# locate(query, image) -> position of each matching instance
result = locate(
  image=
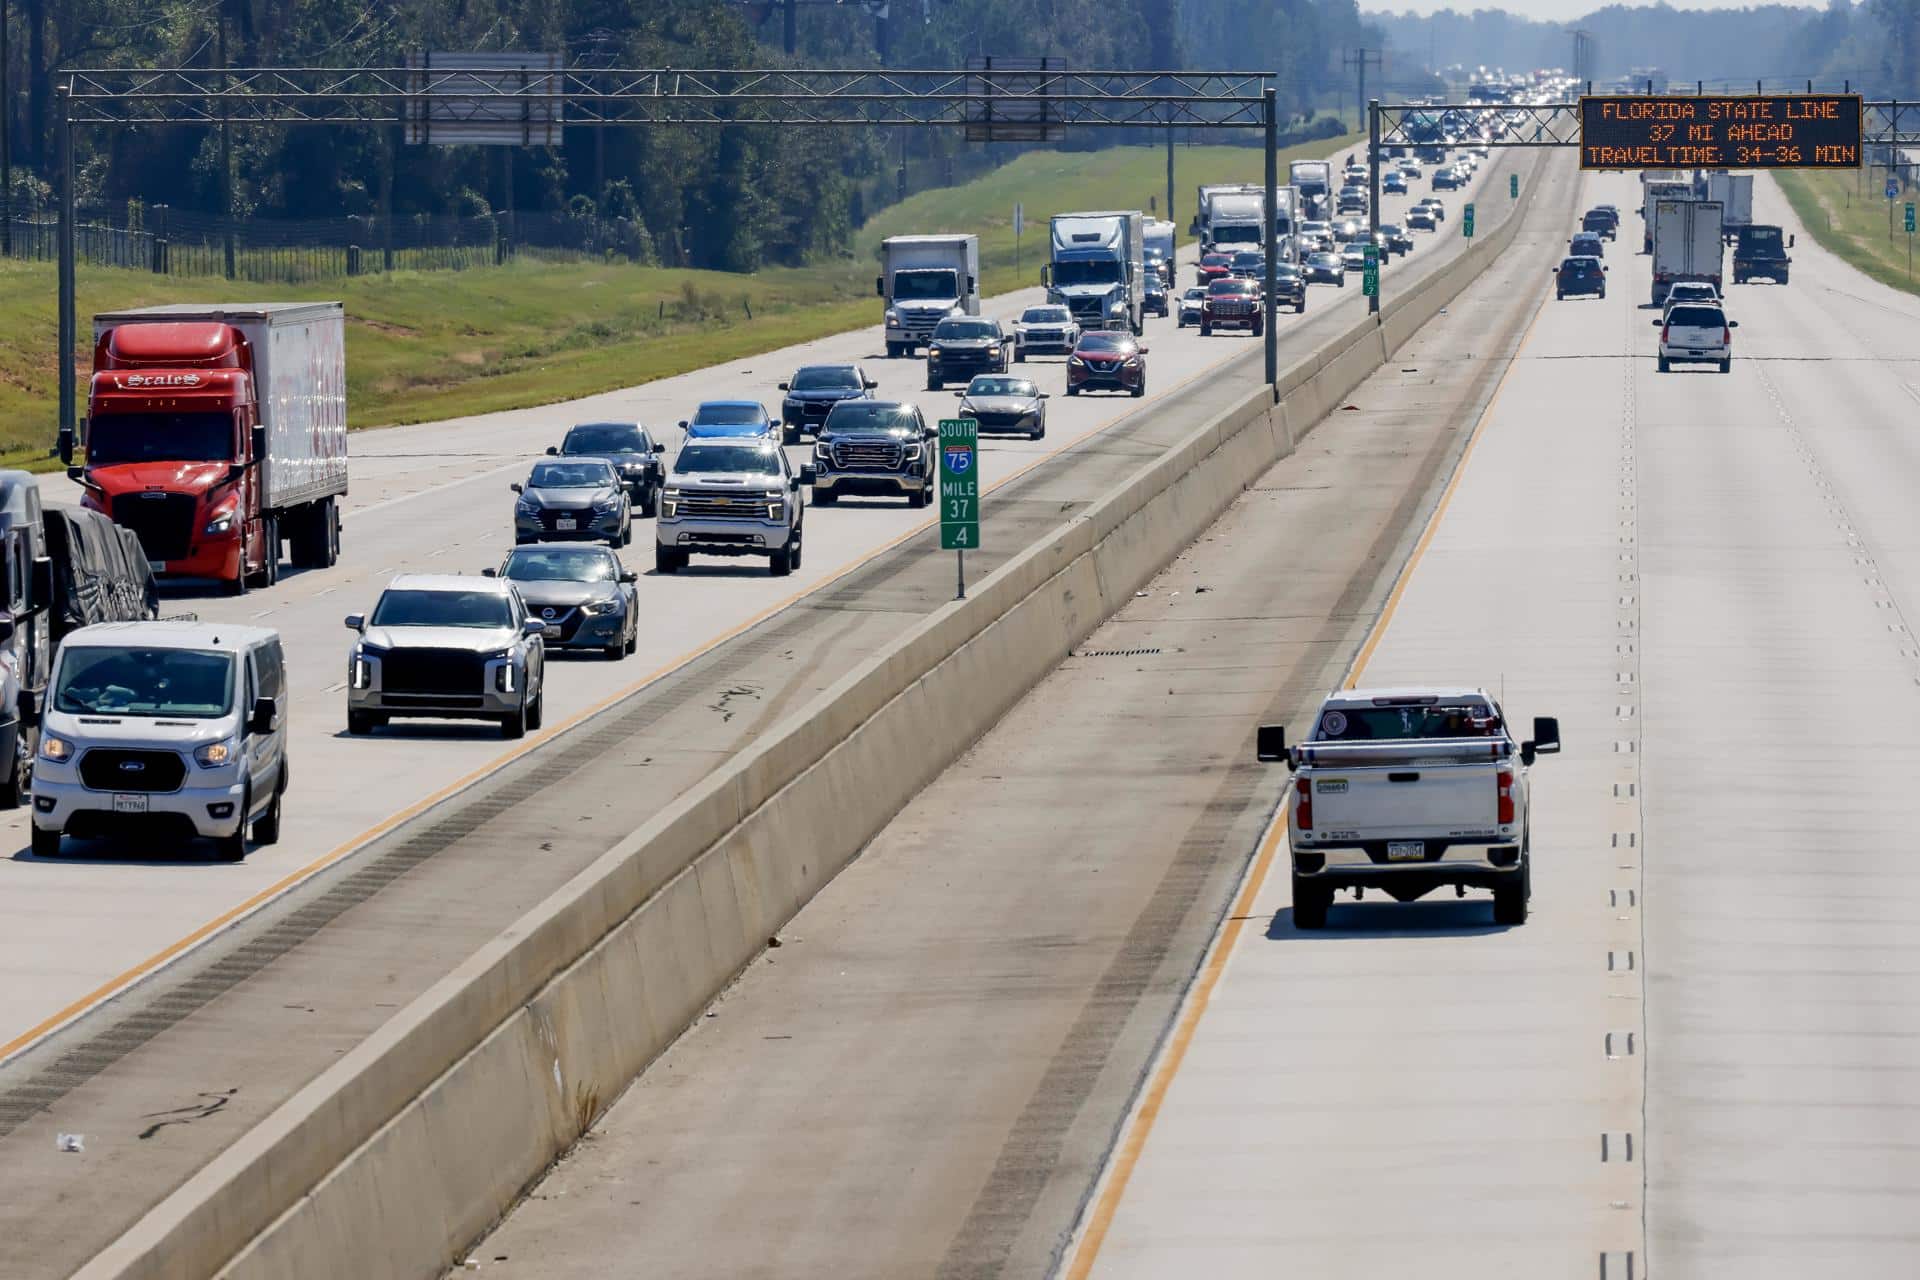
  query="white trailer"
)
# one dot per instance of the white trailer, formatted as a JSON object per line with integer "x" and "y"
{"x": 923, "y": 280}
{"x": 1237, "y": 223}
{"x": 1687, "y": 244}
{"x": 1734, "y": 191}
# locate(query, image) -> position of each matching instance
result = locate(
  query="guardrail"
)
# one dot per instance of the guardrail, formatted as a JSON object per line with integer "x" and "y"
{"x": 418, "y": 1140}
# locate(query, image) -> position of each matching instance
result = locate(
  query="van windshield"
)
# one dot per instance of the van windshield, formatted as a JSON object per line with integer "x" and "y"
{"x": 1473, "y": 719}
{"x": 925, "y": 286}
{"x": 159, "y": 437}
{"x": 189, "y": 683}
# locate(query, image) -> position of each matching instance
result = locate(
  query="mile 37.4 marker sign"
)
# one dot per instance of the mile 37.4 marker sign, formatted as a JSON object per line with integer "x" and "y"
{"x": 959, "y": 484}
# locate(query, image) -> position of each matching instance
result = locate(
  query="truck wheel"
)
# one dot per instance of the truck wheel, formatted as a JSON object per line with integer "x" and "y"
{"x": 514, "y": 725}
{"x": 537, "y": 709}
{"x": 780, "y": 563}
{"x": 1726, "y": 366}
{"x": 825, "y": 498}
{"x": 1206, "y": 331}
{"x": 46, "y": 844}
{"x": 270, "y": 558}
{"x": 1300, "y": 307}
{"x": 924, "y": 498}
{"x": 1666, "y": 366}
{"x": 668, "y": 559}
{"x": 1510, "y": 897}
{"x": 359, "y": 722}
{"x": 1310, "y": 903}
{"x": 14, "y": 790}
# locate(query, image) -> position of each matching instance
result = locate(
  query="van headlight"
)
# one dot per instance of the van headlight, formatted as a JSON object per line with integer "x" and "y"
{"x": 212, "y": 755}
{"x": 56, "y": 749}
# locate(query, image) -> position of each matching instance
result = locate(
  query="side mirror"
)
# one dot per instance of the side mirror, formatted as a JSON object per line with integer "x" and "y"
{"x": 43, "y": 592}
{"x": 879, "y": 286}
{"x": 76, "y": 474}
{"x": 66, "y": 449}
{"x": 928, "y": 433}
{"x": 517, "y": 488}
{"x": 683, "y": 424}
{"x": 29, "y": 707}
{"x": 1546, "y": 738}
{"x": 629, "y": 576}
{"x": 871, "y": 385}
{"x": 6, "y": 627}
{"x": 793, "y": 483}
{"x": 356, "y": 622}
{"x": 532, "y": 627}
{"x": 660, "y": 448}
{"x": 1658, "y": 323}
{"x": 552, "y": 452}
{"x": 1143, "y": 351}
{"x": 1046, "y": 395}
{"x": 1270, "y": 743}
{"x": 1790, "y": 240}
{"x": 959, "y": 395}
{"x": 786, "y": 386}
{"x": 809, "y": 473}
{"x": 265, "y": 717}
{"x": 489, "y": 573}
{"x": 1733, "y": 324}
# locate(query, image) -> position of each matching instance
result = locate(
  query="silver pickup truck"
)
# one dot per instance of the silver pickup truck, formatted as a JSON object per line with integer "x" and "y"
{"x": 1406, "y": 791}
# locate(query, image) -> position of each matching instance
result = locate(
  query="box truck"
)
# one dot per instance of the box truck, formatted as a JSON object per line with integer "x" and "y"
{"x": 1314, "y": 179}
{"x": 1686, "y": 244}
{"x": 217, "y": 432}
{"x": 1096, "y": 269}
{"x": 1159, "y": 247}
{"x": 1734, "y": 191}
{"x": 923, "y": 280}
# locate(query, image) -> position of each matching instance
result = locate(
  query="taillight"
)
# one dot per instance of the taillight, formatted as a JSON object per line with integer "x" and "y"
{"x": 1665, "y": 330}
{"x": 1504, "y": 780}
{"x": 1726, "y": 335}
{"x": 1303, "y": 803}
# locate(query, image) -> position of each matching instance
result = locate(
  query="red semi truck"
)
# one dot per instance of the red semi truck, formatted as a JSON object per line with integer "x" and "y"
{"x": 216, "y": 432}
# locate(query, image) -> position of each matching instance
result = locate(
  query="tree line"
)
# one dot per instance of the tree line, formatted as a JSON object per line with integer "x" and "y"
{"x": 732, "y": 198}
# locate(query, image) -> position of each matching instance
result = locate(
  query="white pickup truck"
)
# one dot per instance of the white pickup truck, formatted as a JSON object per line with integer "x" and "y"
{"x": 1407, "y": 790}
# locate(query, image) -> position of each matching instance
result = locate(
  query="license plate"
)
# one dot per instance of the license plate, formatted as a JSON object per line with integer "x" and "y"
{"x": 1695, "y": 351}
{"x": 123, "y": 803}
{"x": 565, "y": 525}
{"x": 1406, "y": 850}
{"x": 158, "y": 566}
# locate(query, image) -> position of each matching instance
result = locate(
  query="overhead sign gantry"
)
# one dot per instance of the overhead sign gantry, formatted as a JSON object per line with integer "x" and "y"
{"x": 1687, "y": 131}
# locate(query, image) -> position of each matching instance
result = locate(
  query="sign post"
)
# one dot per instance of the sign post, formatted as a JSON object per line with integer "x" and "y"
{"x": 1909, "y": 242}
{"x": 1370, "y": 274}
{"x": 1019, "y": 225}
{"x": 959, "y": 493}
{"x": 1513, "y": 186}
{"x": 1466, "y": 222}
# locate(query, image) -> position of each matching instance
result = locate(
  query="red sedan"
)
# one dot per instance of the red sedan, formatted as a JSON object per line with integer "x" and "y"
{"x": 1215, "y": 266}
{"x": 1107, "y": 359}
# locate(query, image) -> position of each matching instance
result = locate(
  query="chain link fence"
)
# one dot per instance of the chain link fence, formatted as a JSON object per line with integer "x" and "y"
{"x": 164, "y": 241}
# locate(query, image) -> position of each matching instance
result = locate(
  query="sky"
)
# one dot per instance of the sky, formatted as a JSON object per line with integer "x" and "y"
{"x": 1539, "y": 10}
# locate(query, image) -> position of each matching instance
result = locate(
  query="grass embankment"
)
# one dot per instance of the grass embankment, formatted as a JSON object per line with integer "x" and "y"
{"x": 435, "y": 344}
{"x": 1849, "y": 219}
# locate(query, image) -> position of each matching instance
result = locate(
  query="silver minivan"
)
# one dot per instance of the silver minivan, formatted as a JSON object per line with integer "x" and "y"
{"x": 163, "y": 731}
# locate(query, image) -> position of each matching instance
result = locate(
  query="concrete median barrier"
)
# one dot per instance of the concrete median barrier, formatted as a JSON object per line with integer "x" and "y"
{"x": 420, "y": 1138}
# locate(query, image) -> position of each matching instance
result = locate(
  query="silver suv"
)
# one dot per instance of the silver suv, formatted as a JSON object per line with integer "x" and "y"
{"x": 731, "y": 497}
{"x": 448, "y": 648}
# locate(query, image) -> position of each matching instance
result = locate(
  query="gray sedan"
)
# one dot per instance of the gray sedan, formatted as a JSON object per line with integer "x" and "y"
{"x": 583, "y": 594}
{"x": 1005, "y": 404}
{"x": 573, "y": 499}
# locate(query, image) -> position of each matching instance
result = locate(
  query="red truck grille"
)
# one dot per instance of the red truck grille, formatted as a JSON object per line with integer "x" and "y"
{"x": 162, "y": 521}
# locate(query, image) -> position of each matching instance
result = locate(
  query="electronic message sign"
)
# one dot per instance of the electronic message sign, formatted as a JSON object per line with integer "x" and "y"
{"x": 1787, "y": 131}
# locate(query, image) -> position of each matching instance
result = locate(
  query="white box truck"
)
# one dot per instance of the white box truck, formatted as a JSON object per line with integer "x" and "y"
{"x": 1159, "y": 233}
{"x": 1687, "y": 244}
{"x": 1096, "y": 269}
{"x": 1657, "y": 185}
{"x": 1314, "y": 179}
{"x": 1734, "y": 191}
{"x": 923, "y": 280}
{"x": 1237, "y": 223}
{"x": 217, "y": 432}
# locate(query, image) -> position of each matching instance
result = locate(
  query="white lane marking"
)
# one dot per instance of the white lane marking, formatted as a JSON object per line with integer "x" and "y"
{"x": 336, "y": 688}
{"x": 1911, "y": 390}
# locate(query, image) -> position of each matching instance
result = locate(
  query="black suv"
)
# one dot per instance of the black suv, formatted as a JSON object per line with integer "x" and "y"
{"x": 1580, "y": 275}
{"x": 634, "y": 453}
{"x": 814, "y": 390}
{"x": 962, "y": 346}
{"x": 1602, "y": 222}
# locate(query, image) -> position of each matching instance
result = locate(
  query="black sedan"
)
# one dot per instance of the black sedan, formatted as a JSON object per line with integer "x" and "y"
{"x": 1396, "y": 237}
{"x": 1005, "y": 404}
{"x": 583, "y": 594}
{"x": 636, "y": 457}
{"x": 1324, "y": 268}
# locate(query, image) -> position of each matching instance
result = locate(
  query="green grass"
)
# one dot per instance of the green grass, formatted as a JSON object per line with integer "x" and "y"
{"x": 1848, "y": 216}
{"x": 436, "y": 344}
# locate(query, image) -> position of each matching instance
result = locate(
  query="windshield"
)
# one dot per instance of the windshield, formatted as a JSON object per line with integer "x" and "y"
{"x": 868, "y": 415}
{"x": 728, "y": 415}
{"x": 1106, "y": 342}
{"x": 1247, "y": 259}
{"x": 727, "y": 457}
{"x": 925, "y": 286}
{"x": 963, "y": 329}
{"x": 610, "y": 439}
{"x": 561, "y": 564}
{"x": 1001, "y": 387}
{"x": 1234, "y": 288}
{"x": 1471, "y": 719}
{"x": 1096, "y": 271}
{"x": 1045, "y": 315}
{"x": 1216, "y": 259}
{"x": 159, "y": 437}
{"x": 1696, "y": 317}
{"x": 409, "y": 607}
{"x": 825, "y": 377}
{"x": 1325, "y": 260}
{"x": 145, "y": 682}
{"x": 570, "y": 475}
{"x": 1236, "y": 235}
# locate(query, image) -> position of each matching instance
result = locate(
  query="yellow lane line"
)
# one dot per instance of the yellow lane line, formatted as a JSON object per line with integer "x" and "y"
{"x": 120, "y": 982}
{"x": 1126, "y": 1155}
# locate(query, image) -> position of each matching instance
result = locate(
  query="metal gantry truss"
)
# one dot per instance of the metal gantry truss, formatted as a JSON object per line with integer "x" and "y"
{"x": 664, "y": 95}
{"x": 1015, "y": 103}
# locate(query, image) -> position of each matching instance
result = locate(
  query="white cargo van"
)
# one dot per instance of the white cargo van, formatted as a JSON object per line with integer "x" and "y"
{"x": 164, "y": 732}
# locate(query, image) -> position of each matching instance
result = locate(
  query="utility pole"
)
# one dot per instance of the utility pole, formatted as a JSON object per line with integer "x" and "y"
{"x": 1360, "y": 60}
{"x": 6, "y": 139}
{"x": 1176, "y": 232}
{"x": 1582, "y": 54}
{"x": 791, "y": 36}
{"x": 226, "y": 156}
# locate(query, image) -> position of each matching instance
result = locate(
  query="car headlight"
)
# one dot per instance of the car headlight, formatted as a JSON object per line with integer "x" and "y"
{"x": 609, "y": 503}
{"x": 52, "y": 748}
{"x": 527, "y": 507}
{"x": 933, "y": 353}
{"x": 1076, "y": 362}
{"x": 212, "y": 755}
{"x": 222, "y": 523}
{"x": 1133, "y": 363}
{"x": 913, "y": 452}
{"x": 893, "y": 317}
{"x": 600, "y": 608}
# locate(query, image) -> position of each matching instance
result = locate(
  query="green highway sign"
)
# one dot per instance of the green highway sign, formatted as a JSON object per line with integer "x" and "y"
{"x": 1513, "y": 186}
{"x": 1909, "y": 217}
{"x": 1370, "y": 275}
{"x": 959, "y": 484}
{"x": 1466, "y": 222}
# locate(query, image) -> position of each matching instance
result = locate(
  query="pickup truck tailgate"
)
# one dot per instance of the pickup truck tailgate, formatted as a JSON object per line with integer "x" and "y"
{"x": 1413, "y": 799}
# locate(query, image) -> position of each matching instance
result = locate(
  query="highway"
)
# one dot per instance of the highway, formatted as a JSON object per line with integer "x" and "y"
{"x": 1695, "y": 1060}
{"x": 316, "y": 940}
